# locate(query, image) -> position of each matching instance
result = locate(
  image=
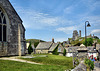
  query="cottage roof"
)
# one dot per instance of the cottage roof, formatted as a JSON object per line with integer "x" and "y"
{"x": 90, "y": 48}
{"x": 54, "y": 45}
{"x": 44, "y": 45}
{"x": 71, "y": 49}
{"x": 82, "y": 49}
{"x": 60, "y": 48}
{"x": 82, "y": 45}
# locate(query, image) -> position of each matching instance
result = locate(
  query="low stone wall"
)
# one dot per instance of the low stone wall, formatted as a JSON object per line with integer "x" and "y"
{"x": 80, "y": 67}
{"x": 41, "y": 51}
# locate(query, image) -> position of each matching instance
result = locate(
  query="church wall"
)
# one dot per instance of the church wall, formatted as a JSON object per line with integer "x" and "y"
{"x": 12, "y": 30}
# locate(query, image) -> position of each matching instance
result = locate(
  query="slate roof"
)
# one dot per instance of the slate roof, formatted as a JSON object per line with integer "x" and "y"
{"x": 82, "y": 49}
{"x": 54, "y": 45}
{"x": 91, "y": 49}
{"x": 44, "y": 46}
{"x": 71, "y": 49}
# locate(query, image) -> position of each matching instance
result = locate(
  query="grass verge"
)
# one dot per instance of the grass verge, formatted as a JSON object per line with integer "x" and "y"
{"x": 6, "y": 65}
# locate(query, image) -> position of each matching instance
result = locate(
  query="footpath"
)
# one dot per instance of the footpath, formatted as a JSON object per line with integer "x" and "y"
{"x": 19, "y": 60}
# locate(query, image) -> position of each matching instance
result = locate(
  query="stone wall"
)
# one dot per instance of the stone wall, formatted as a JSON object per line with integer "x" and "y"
{"x": 3, "y": 48}
{"x": 12, "y": 29}
{"x": 41, "y": 51}
{"x": 97, "y": 46}
{"x": 80, "y": 67}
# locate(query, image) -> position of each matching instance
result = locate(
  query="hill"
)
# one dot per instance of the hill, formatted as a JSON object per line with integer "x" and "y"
{"x": 34, "y": 41}
{"x": 81, "y": 40}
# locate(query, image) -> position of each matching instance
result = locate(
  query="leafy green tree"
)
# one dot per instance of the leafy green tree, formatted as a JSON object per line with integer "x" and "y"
{"x": 64, "y": 52}
{"x": 89, "y": 42}
{"x": 89, "y": 63}
{"x": 30, "y": 49}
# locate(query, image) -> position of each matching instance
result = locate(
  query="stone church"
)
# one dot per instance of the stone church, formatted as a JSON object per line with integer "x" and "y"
{"x": 12, "y": 31}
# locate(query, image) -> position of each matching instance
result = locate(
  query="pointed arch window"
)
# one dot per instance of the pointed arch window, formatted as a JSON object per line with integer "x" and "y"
{"x": 3, "y": 26}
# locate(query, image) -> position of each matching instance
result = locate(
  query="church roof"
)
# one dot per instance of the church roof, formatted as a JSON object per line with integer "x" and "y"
{"x": 44, "y": 45}
{"x": 54, "y": 45}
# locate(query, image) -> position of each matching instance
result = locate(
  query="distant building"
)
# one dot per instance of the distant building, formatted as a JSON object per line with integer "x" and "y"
{"x": 60, "y": 50}
{"x": 71, "y": 50}
{"x": 90, "y": 36}
{"x": 43, "y": 47}
{"x": 76, "y": 35}
{"x": 49, "y": 47}
{"x": 54, "y": 45}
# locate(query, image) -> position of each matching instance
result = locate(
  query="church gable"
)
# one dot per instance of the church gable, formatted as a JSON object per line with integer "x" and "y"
{"x": 12, "y": 40}
{"x": 12, "y": 14}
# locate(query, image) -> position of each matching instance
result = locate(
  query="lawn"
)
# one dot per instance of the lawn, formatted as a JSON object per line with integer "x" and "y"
{"x": 52, "y": 60}
{"x": 6, "y": 65}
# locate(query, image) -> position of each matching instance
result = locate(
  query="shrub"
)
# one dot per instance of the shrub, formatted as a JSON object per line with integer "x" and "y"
{"x": 89, "y": 63}
{"x": 89, "y": 42}
{"x": 30, "y": 49}
{"x": 64, "y": 52}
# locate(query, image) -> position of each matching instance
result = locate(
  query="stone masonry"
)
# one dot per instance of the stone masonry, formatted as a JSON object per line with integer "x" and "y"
{"x": 14, "y": 24}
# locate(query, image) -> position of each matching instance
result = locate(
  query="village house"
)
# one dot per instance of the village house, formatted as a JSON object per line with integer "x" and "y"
{"x": 49, "y": 47}
{"x": 54, "y": 45}
{"x": 43, "y": 47}
{"x": 60, "y": 49}
{"x": 81, "y": 51}
{"x": 71, "y": 50}
{"x": 12, "y": 31}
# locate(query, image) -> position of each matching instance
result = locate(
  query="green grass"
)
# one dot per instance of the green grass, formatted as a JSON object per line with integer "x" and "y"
{"x": 6, "y": 65}
{"x": 52, "y": 60}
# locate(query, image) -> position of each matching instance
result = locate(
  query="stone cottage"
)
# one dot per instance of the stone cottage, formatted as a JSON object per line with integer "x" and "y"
{"x": 54, "y": 45}
{"x": 43, "y": 47}
{"x": 71, "y": 50}
{"x": 12, "y": 31}
{"x": 60, "y": 49}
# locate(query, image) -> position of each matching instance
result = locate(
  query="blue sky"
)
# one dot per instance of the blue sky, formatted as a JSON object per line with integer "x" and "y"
{"x": 47, "y": 19}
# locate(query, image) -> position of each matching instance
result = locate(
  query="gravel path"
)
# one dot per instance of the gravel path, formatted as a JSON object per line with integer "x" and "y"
{"x": 19, "y": 60}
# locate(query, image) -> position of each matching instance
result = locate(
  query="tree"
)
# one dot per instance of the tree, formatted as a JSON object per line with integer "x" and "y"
{"x": 64, "y": 52}
{"x": 30, "y": 49}
{"x": 89, "y": 63}
{"x": 89, "y": 42}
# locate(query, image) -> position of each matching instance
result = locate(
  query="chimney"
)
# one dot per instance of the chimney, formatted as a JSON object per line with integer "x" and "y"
{"x": 53, "y": 40}
{"x": 93, "y": 35}
{"x": 90, "y": 35}
{"x": 79, "y": 33}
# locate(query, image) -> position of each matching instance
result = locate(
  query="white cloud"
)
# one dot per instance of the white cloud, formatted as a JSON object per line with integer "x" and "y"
{"x": 68, "y": 10}
{"x": 67, "y": 30}
{"x": 96, "y": 31}
{"x": 38, "y": 20}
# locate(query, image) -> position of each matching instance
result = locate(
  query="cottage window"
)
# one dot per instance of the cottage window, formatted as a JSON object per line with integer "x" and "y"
{"x": 3, "y": 26}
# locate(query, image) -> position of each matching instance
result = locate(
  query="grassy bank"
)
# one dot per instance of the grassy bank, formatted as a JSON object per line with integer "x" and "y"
{"x": 6, "y": 65}
{"x": 52, "y": 60}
